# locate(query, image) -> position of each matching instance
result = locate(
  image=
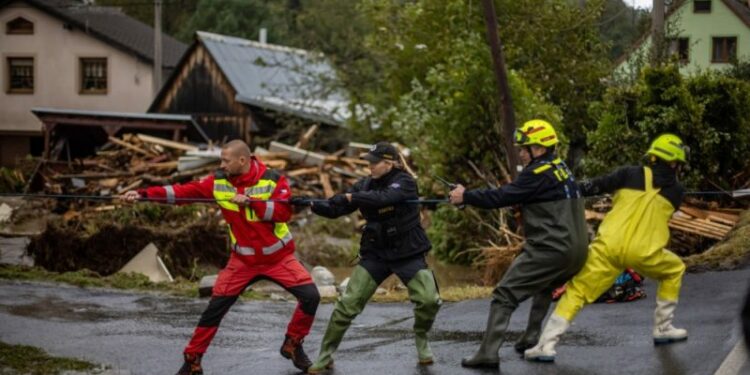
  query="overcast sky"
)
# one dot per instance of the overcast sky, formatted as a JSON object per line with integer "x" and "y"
{"x": 640, "y": 3}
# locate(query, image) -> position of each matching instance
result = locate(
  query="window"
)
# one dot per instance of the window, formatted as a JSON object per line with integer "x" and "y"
{"x": 94, "y": 76}
{"x": 702, "y": 6}
{"x": 20, "y": 75}
{"x": 19, "y": 25}
{"x": 680, "y": 47}
{"x": 724, "y": 49}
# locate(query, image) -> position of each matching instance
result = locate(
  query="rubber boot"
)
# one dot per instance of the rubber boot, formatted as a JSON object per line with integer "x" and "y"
{"x": 423, "y": 292}
{"x": 494, "y": 335}
{"x": 292, "y": 349}
{"x": 359, "y": 290}
{"x": 538, "y": 312}
{"x": 544, "y": 351}
{"x": 192, "y": 365}
{"x": 664, "y": 332}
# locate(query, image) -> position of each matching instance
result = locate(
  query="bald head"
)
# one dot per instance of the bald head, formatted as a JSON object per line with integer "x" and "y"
{"x": 238, "y": 148}
{"x": 236, "y": 158}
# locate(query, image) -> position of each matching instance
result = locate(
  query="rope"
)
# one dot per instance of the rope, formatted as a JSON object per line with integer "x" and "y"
{"x": 191, "y": 200}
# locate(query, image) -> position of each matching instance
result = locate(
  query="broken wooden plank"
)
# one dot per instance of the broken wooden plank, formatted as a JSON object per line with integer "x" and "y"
{"x": 356, "y": 148}
{"x": 356, "y": 161}
{"x": 305, "y": 138}
{"x": 129, "y": 146}
{"x": 133, "y": 185}
{"x": 167, "y": 143}
{"x": 345, "y": 172}
{"x": 298, "y": 155}
{"x": 272, "y": 155}
{"x": 303, "y": 171}
{"x": 276, "y": 164}
{"x": 93, "y": 175}
{"x": 325, "y": 180}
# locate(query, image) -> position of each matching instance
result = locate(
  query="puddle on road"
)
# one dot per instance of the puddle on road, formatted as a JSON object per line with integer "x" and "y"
{"x": 57, "y": 309}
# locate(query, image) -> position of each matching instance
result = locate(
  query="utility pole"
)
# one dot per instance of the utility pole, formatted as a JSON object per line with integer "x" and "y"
{"x": 157, "y": 46}
{"x": 506, "y": 102}
{"x": 657, "y": 32}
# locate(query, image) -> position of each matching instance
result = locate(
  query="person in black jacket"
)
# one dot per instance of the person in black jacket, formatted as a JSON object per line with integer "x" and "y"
{"x": 556, "y": 237}
{"x": 393, "y": 241}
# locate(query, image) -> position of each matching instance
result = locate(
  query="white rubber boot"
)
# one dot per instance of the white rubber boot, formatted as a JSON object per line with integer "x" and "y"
{"x": 664, "y": 332}
{"x": 544, "y": 351}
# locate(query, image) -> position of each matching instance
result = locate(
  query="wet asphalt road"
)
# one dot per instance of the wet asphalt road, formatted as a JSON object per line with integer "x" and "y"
{"x": 145, "y": 334}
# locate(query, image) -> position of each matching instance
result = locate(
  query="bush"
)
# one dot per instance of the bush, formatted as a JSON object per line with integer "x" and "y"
{"x": 709, "y": 111}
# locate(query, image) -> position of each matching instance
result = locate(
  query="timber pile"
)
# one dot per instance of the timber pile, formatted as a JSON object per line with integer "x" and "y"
{"x": 137, "y": 160}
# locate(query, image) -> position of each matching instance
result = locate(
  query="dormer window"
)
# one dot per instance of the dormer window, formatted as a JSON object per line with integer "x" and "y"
{"x": 19, "y": 25}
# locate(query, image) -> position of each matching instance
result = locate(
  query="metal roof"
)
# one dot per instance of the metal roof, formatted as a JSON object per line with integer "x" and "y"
{"x": 278, "y": 78}
{"x": 40, "y": 111}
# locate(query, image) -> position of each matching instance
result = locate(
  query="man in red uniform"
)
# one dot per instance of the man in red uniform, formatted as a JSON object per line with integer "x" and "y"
{"x": 254, "y": 203}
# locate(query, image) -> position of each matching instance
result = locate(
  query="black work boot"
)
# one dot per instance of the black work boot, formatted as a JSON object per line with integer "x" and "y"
{"x": 192, "y": 365}
{"x": 292, "y": 349}
{"x": 497, "y": 323}
{"x": 539, "y": 306}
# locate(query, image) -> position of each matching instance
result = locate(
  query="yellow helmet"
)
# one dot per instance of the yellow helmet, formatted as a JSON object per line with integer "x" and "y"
{"x": 668, "y": 147}
{"x": 536, "y": 132}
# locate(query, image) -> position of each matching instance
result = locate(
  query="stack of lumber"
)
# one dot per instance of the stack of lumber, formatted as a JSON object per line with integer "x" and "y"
{"x": 706, "y": 223}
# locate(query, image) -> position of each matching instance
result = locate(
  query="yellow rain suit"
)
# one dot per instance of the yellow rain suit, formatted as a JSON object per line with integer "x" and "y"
{"x": 632, "y": 235}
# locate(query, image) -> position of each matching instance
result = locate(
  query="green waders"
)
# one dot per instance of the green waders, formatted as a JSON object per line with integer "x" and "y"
{"x": 424, "y": 294}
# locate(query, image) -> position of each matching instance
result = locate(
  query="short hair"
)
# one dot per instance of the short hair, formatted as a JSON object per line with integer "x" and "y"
{"x": 238, "y": 147}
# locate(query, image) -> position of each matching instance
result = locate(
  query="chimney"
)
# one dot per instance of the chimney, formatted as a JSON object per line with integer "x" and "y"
{"x": 263, "y": 34}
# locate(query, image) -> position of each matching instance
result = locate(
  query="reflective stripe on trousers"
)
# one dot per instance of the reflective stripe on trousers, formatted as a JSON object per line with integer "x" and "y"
{"x": 267, "y": 250}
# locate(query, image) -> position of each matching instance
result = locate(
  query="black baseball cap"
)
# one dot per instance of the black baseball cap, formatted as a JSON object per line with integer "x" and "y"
{"x": 381, "y": 151}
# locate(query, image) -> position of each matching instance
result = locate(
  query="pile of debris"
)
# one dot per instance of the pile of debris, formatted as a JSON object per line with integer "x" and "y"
{"x": 138, "y": 160}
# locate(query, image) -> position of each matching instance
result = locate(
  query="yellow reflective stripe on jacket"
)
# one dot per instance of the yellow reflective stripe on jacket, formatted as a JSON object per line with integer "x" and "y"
{"x": 223, "y": 191}
{"x": 541, "y": 169}
{"x": 261, "y": 191}
{"x": 560, "y": 173}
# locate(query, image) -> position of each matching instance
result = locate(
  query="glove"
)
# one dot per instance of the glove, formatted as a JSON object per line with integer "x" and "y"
{"x": 339, "y": 200}
{"x": 300, "y": 201}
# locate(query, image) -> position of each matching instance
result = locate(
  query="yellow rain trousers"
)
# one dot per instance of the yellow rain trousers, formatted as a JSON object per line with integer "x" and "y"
{"x": 632, "y": 235}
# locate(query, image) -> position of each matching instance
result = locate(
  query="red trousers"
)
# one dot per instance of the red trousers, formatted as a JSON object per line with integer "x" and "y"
{"x": 236, "y": 276}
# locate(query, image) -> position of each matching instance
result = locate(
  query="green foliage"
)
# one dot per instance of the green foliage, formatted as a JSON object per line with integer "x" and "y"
{"x": 175, "y": 13}
{"x": 22, "y": 359}
{"x": 11, "y": 181}
{"x": 243, "y": 19}
{"x": 710, "y": 111}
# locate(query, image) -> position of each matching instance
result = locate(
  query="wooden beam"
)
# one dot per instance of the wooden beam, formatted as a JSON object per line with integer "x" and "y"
{"x": 129, "y": 146}
{"x": 305, "y": 139}
{"x": 325, "y": 180}
{"x": 167, "y": 143}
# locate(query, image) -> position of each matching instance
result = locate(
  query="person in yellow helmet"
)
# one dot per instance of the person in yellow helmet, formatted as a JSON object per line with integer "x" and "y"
{"x": 632, "y": 235}
{"x": 556, "y": 238}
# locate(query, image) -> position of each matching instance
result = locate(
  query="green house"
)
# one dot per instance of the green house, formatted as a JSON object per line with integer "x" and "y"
{"x": 701, "y": 34}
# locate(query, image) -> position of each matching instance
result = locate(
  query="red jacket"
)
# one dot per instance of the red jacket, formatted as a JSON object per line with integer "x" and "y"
{"x": 259, "y": 232}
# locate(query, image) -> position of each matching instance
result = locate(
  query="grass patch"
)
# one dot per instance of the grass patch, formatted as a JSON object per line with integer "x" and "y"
{"x": 126, "y": 281}
{"x": 730, "y": 254}
{"x": 86, "y": 278}
{"x": 24, "y": 359}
